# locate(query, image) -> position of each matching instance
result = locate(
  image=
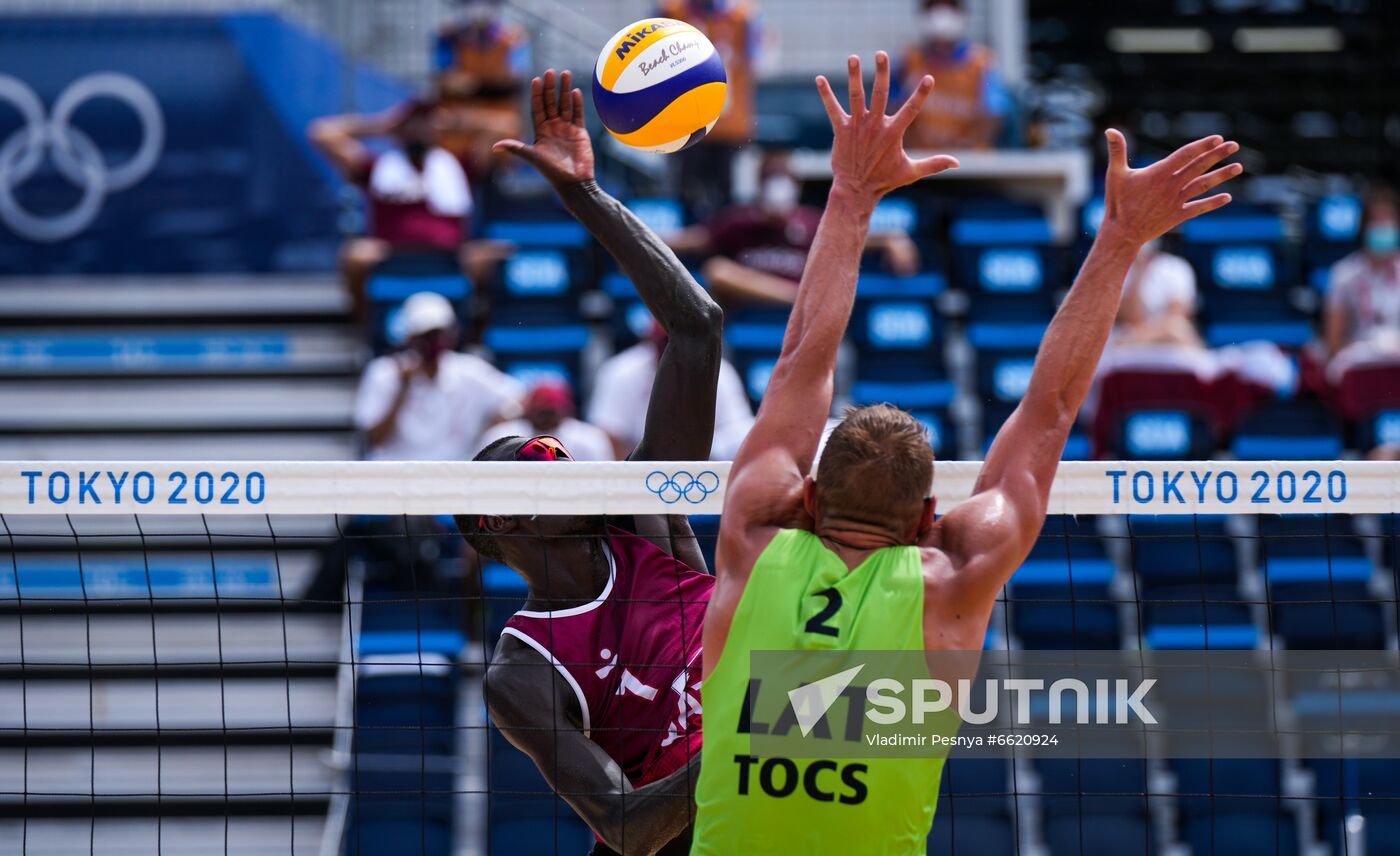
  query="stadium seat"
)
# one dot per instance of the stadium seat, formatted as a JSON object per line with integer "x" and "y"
{"x": 1368, "y": 390}
{"x": 1003, "y": 371}
{"x": 1318, "y": 574}
{"x": 1095, "y": 805}
{"x": 1240, "y": 261}
{"x": 1234, "y": 806}
{"x": 1289, "y": 431}
{"x": 394, "y": 823}
{"x": 523, "y": 814}
{"x": 899, "y": 343}
{"x": 1333, "y": 230}
{"x": 755, "y": 338}
{"x": 1060, "y": 595}
{"x": 534, "y": 353}
{"x": 974, "y": 815}
{"x": 404, "y": 274}
{"x": 1154, "y": 415}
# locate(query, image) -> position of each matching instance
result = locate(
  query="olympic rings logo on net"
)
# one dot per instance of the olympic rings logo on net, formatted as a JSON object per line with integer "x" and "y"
{"x": 73, "y": 152}
{"x": 694, "y": 489}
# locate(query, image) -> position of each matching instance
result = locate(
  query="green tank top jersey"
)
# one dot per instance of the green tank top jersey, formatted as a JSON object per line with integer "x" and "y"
{"x": 787, "y": 605}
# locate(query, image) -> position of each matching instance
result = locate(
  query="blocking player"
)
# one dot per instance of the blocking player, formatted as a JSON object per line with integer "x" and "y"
{"x": 597, "y": 678}
{"x": 852, "y": 558}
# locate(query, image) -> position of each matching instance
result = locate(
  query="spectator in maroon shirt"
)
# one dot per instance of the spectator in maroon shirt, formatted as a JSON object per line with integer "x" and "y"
{"x": 757, "y": 251}
{"x": 418, "y": 196}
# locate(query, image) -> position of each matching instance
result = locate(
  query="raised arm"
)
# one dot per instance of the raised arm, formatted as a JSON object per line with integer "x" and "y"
{"x": 340, "y": 138}
{"x": 681, "y": 416}
{"x": 867, "y": 161}
{"x": 529, "y": 704}
{"x": 990, "y": 534}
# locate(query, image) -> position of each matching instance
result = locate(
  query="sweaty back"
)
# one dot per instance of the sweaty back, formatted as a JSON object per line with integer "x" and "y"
{"x": 801, "y": 597}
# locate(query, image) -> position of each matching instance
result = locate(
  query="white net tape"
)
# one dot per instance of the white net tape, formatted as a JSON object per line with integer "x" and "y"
{"x": 650, "y": 487}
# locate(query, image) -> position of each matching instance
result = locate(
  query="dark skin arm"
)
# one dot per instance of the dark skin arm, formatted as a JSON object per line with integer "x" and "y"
{"x": 680, "y": 420}
{"x": 536, "y": 713}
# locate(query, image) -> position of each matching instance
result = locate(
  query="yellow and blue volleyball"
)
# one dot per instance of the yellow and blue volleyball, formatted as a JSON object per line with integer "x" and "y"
{"x": 659, "y": 85}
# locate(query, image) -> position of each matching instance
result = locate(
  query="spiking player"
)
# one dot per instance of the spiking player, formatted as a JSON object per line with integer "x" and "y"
{"x": 852, "y": 559}
{"x": 597, "y": 679}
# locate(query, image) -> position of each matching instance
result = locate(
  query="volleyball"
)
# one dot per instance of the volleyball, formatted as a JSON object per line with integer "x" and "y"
{"x": 659, "y": 85}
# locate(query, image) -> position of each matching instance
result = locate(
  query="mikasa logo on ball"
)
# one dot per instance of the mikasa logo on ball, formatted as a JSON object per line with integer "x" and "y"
{"x": 624, "y": 47}
{"x": 665, "y": 55}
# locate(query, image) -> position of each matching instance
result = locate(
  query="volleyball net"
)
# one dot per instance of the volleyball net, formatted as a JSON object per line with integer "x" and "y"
{"x": 276, "y": 657}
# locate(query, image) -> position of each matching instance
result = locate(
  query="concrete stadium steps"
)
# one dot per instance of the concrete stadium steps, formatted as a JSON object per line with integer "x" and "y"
{"x": 174, "y": 298}
{"x": 221, "y": 349}
{"x": 182, "y": 405}
{"x": 39, "y": 775}
{"x": 311, "y": 446}
{"x": 42, "y": 708}
{"x": 80, "y": 641}
{"x": 297, "y": 835}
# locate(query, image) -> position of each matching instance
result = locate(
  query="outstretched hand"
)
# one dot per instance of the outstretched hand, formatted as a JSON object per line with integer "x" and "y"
{"x": 1142, "y": 204}
{"x": 562, "y": 151}
{"x": 867, "y": 154}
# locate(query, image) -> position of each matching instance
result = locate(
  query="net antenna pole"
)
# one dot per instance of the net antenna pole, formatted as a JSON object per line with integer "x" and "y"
{"x": 344, "y": 761}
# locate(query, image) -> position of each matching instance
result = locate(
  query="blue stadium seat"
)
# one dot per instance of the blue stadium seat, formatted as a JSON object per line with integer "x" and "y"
{"x": 899, "y": 343}
{"x": 535, "y": 353}
{"x": 1060, "y": 594}
{"x": 540, "y": 285}
{"x": 1367, "y": 786}
{"x": 1165, "y": 434}
{"x": 1095, "y": 805}
{"x": 503, "y": 592}
{"x": 568, "y": 234}
{"x": 631, "y": 321}
{"x": 524, "y": 815}
{"x": 1171, "y": 549}
{"x": 1333, "y": 230}
{"x": 1004, "y": 366}
{"x": 1004, "y": 255}
{"x": 753, "y": 348}
{"x": 661, "y": 214}
{"x": 1289, "y": 431}
{"x": 394, "y": 823}
{"x": 405, "y": 274}
{"x": 1241, "y": 264}
{"x": 1234, "y": 806}
{"x": 974, "y": 812}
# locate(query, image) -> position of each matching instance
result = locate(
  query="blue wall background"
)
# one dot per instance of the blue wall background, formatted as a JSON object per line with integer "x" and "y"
{"x": 236, "y": 186}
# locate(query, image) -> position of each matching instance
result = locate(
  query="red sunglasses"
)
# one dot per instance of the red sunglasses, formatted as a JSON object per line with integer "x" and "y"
{"x": 542, "y": 448}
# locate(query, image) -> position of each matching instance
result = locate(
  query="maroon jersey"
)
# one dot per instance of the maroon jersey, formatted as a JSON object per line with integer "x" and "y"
{"x": 774, "y": 245}
{"x": 632, "y": 657}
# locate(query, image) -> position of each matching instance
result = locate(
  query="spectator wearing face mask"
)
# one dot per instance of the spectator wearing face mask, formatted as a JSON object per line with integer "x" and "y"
{"x": 757, "y": 252}
{"x": 969, "y": 104}
{"x": 735, "y": 28}
{"x": 428, "y": 402}
{"x": 417, "y": 194}
{"x": 1361, "y": 319}
{"x": 549, "y": 410}
{"x": 622, "y": 391}
{"x": 483, "y": 63}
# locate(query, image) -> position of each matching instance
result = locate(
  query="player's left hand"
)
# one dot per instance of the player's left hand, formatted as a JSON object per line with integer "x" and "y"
{"x": 867, "y": 152}
{"x": 562, "y": 151}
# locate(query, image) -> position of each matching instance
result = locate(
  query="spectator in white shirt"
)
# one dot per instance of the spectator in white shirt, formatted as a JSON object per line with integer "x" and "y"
{"x": 1361, "y": 319}
{"x": 1159, "y": 302}
{"x": 428, "y": 402}
{"x": 622, "y": 389}
{"x": 549, "y": 410}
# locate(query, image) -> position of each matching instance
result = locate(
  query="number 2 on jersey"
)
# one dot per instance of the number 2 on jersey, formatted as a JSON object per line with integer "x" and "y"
{"x": 817, "y": 623}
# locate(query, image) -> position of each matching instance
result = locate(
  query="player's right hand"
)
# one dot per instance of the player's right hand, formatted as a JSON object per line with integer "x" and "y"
{"x": 1142, "y": 204}
{"x": 562, "y": 151}
{"x": 867, "y": 152}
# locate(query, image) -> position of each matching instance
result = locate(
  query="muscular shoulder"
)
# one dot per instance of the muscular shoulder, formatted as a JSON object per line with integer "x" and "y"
{"x": 516, "y": 680}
